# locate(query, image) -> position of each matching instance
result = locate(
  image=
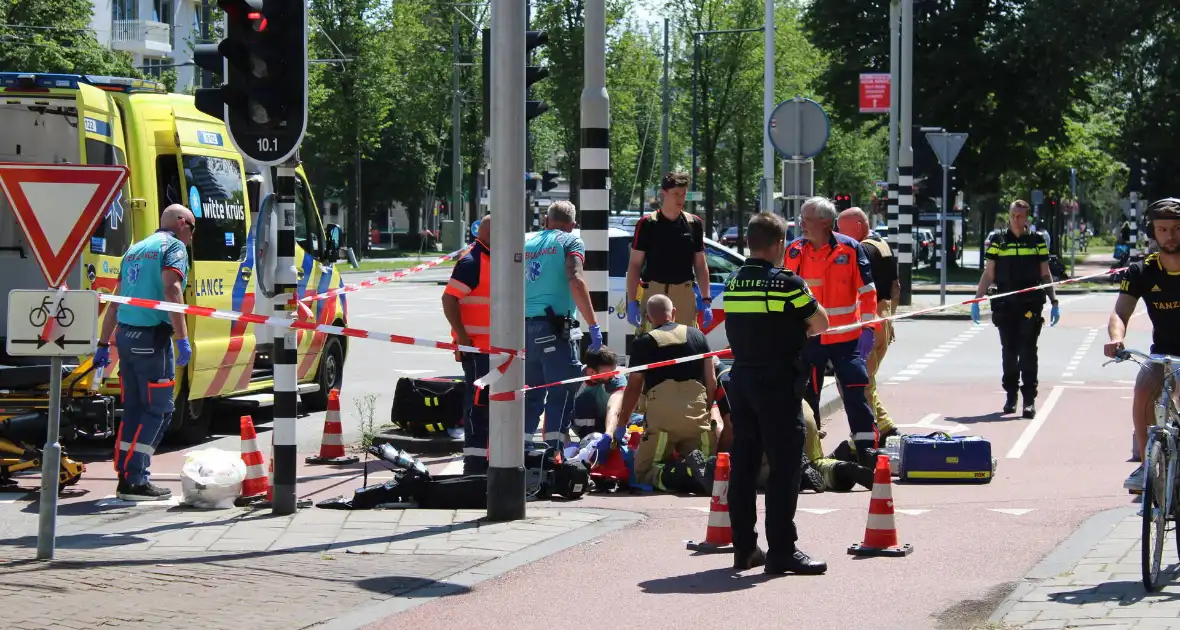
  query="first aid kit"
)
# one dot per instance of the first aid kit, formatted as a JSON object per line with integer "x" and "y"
{"x": 942, "y": 457}
{"x": 427, "y": 407}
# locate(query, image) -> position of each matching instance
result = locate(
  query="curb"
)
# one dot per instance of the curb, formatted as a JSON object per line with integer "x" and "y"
{"x": 462, "y": 582}
{"x": 1064, "y": 556}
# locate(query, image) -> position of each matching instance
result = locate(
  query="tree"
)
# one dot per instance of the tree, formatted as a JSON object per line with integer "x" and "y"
{"x": 54, "y": 36}
{"x": 633, "y": 81}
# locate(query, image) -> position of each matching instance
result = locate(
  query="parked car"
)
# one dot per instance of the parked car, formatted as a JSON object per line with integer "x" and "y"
{"x": 730, "y": 238}
{"x": 924, "y": 242}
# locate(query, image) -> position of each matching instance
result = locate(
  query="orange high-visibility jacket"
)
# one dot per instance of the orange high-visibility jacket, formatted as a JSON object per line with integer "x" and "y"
{"x": 471, "y": 282}
{"x": 839, "y": 277}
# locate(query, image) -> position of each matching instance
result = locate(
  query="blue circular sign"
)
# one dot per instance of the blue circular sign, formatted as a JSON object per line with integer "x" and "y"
{"x": 194, "y": 201}
{"x": 475, "y": 228}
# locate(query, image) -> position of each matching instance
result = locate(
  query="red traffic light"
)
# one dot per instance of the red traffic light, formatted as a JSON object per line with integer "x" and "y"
{"x": 259, "y": 19}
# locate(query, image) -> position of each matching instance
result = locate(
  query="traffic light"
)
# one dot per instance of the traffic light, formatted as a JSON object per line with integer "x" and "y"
{"x": 533, "y": 74}
{"x": 1143, "y": 175}
{"x": 843, "y": 202}
{"x": 263, "y": 62}
{"x": 548, "y": 181}
{"x": 531, "y": 182}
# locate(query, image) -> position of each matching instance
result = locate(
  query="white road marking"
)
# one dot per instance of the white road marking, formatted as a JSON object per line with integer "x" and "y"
{"x": 915, "y": 368}
{"x": 927, "y": 423}
{"x": 819, "y": 511}
{"x": 910, "y": 512}
{"x": 11, "y": 497}
{"x": 113, "y": 501}
{"x": 453, "y": 468}
{"x": 1082, "y": 350}
{"x": 1030, "y": 431}
{"x": 1012, "y": 511}
{"x": 411, "y": 372}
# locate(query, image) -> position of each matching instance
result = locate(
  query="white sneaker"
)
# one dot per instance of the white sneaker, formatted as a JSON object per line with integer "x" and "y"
{"x": 1134, "y": 483}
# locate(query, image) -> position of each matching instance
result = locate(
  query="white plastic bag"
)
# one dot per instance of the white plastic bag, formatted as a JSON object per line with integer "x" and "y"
{"x": 212, "y": 478}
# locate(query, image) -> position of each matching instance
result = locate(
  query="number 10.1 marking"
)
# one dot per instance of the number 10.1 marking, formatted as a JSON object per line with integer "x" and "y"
{"x": 268, "y": 144}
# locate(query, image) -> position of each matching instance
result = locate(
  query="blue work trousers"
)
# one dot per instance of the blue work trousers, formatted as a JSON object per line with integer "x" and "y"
{"x": 475, "y": 415}
{"x": 148, "y": 379}
{"x": 549, "y": 359}
{"x": 852, "y": 377}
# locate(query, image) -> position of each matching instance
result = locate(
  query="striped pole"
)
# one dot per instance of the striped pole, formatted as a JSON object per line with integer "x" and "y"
{"x": 894, "y": 106}
{"x": 594, "y": 159}
{"x": 286, "y": 344}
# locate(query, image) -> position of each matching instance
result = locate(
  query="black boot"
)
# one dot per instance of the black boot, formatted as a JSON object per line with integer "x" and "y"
{"x": 1010, "y": 403}
{"x": 797, "y": 562}
{"x": 1030, "y": 408}
{"x": 746, "y": 560}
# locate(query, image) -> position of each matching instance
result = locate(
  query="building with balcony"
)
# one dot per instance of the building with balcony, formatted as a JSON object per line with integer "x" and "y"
{"x": 159, "y": 34}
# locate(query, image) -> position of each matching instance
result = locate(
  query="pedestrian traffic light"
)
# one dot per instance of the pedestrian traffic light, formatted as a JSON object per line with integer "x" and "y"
{"x": 548, "y": 181}
{"x": 263, "y": 64}
{"x": 1143, "y": 175}
{"x": 533, "y": 74}
{"x": 843, "y": 202}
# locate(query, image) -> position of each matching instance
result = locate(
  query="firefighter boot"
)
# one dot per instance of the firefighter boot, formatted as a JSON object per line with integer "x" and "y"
{"x": 687, "y": 475}
{"x": 848, "y": 474}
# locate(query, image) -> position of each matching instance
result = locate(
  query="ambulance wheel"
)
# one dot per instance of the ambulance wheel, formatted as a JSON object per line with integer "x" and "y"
{"x": 329, "y": 376}
{"x": 190, "y": 421}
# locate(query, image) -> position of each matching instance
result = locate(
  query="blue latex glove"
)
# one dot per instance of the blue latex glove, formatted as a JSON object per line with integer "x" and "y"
{"x": 1054, "y": 315}
{"x": 602, "y": 446}
{"x": 706, "y": 314}
{"x": 184, "y": 352}
{"x": 620, "y": 433}
{"x": 102, "y": 357}
{"x": 975, "y": 312}
{"x": 595, "y": 338}
{"x": 865, "y": 345}
{"x": 633, "y": 312}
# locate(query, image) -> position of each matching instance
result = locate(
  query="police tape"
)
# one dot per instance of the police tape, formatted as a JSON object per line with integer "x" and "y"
{"x": 283, "y": 322}
{"x": 520, "y": 393}
{"x": 380, "y": 280}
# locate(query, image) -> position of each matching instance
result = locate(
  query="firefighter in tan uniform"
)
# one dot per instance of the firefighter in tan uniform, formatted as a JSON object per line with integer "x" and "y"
{"x": 678, "y": 438}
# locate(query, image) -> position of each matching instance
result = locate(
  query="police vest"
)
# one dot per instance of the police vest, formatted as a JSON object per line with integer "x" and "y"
{"x": 834, "y": 279}
{"x": 1018, "y": 265}
{"x": 756, "y": 298}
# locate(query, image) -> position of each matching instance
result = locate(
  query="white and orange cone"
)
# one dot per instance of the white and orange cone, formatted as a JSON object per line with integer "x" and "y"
{"x": 881, "y": 531}
{"x": 255, "y": 484}
{"x": 719, "y": 534}
{"x": 332, "y": 444}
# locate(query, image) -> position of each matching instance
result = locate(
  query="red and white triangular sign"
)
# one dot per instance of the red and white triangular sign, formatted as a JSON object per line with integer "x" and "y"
{"x": 58, "y": 207}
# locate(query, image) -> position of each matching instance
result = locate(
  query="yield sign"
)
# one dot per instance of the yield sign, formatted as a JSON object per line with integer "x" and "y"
{"x": 946, "y": 146}
{"x": 58, "y": 207}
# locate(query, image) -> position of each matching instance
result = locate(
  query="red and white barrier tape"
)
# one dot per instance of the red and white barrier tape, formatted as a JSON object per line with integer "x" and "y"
{"x": 283, "y": 322}
{"x": 379, "y": 280}
{"x": 519, "y": 394}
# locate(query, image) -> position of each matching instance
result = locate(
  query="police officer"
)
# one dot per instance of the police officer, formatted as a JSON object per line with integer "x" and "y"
{"x": 1018, "y": 259}
{"x": 554, "y": 286}
{"x": 466, "y": 303}
{"x": 668, "y": 251}
{"x": 771, "y": 313}
{"x": 155, "y": 268}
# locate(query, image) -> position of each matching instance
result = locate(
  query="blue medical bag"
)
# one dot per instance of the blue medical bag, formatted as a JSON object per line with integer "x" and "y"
{"x": 942, "y": 457}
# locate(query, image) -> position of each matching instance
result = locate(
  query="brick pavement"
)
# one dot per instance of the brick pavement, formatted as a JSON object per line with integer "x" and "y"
{"x": 1099, "y": 586}
{"x": 242, "y": 568}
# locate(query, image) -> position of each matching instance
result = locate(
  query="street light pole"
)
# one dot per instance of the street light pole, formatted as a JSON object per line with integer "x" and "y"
{"x": 456, "y": 127}
{"x": 905, "y": 168}
{"x": 767, "y": 184}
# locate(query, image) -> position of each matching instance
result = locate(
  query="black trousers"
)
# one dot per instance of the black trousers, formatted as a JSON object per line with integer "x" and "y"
{"x": 767, "y": 416}
{"x": 1019, "y": 329}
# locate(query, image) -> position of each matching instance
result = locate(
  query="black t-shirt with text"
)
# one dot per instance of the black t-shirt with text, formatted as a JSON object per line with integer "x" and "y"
{"x": 1160, "y": 290}
{"x": 669, "y": 245}
{"x": 645, "y": 350}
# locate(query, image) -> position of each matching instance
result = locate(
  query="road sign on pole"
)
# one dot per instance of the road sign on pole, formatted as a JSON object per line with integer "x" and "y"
{"x": 1037, "y": 198}
{"x": 875, "y": 89}
{"x": 75, "y": 324}
{"x": 799, "y": 128}
{"x": 946, "y": 147}
{"x": 58, "y": 207}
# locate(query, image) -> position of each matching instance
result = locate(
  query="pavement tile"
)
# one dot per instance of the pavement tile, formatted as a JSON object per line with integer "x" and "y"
{"x": 427, "y": 517}
{"x": 374, "y": 516}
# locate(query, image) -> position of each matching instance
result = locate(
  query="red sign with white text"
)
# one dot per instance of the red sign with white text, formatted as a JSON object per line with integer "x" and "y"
{"x": 874, "y": 92}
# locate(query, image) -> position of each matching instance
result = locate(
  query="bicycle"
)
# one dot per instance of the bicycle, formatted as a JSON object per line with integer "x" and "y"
{"x": 1160, "y": 471}
{"x": 40, "y": 315}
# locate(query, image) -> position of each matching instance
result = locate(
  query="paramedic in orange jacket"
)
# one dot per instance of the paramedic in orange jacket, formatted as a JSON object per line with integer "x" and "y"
{"x": 836, "y": 270}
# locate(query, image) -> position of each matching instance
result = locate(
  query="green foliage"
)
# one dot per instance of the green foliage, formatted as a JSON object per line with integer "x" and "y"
{"x": 55, "y": 36}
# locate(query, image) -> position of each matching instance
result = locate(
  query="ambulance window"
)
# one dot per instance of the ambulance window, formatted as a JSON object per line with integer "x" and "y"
{"x": 113, "y": 234}
{"x": 307, "y": 222}
{"x": 168, "y": 182}
{"x": 216, "y": 197}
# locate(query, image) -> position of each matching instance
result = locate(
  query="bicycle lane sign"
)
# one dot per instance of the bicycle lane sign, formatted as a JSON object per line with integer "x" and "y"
{"x": 74, "y": 315}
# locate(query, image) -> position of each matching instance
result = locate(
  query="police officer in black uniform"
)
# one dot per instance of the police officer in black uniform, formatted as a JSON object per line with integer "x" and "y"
{"x": 771, "y": 313}
{"x": 1018, "y": 258}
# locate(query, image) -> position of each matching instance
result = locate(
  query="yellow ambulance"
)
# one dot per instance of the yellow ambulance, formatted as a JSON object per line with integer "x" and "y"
{"x": 175, "y": 155}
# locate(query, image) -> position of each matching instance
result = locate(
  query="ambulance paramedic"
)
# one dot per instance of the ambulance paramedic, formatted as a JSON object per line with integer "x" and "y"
{"x": 466, "y": 303}
{"x": 836, "y": 269}
{"x": 155, "y": 268}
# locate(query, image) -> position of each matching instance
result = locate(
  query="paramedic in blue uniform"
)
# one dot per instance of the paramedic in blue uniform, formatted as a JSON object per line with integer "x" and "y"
{"x": 554, "y": 286}
{"x": 770, "y": 314}
{"x": 155, "y": 268}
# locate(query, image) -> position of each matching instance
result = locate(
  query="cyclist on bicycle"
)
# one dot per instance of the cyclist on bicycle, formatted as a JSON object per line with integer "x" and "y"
{"x": 1155, "y": 279}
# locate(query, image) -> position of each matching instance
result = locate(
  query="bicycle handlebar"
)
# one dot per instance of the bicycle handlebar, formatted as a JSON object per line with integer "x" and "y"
{"x": 1129, "y": 353}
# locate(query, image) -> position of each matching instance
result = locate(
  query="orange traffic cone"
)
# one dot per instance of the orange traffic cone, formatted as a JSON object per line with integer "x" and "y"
{"x": 719, "y": 534}
{"x": 270, "y": 473}
{"x": 332, "y": 444}
{"x": 255, "y": 483}
{"x": 881, "y": 531}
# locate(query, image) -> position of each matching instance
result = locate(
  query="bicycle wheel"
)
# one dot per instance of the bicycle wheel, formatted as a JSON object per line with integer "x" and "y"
{"x": 38, "y": 317}
{"x": 1155, "y": 467}
{"x": 65, "y": 317}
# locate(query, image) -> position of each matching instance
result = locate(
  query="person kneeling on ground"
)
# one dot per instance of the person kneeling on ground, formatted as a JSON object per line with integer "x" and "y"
{"x": 679, "y": 399}
{"x": 599, "y": 397}
{"x": 820, "y": 473}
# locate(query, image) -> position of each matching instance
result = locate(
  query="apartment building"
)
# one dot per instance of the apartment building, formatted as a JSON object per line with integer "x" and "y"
{"x": 159, "y": 34}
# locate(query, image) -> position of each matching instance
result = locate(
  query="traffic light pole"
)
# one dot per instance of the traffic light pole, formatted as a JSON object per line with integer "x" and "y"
{"x": 456, "y": 128}
{"x": 506, "y": 476}
{"x": 594, "y": 160}
{"x": 891, "y": 213}
{"x": 905, "y": 168}
{"x": 286, "y": 345}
